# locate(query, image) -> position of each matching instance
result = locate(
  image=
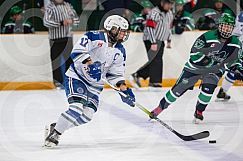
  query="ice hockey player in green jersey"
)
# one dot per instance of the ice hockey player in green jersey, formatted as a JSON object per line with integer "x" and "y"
{"x": 138, "y": 20}
{"x": 210, "y": 55}
{"x": 183, "y": 20}
{"x": 16, "y": 23}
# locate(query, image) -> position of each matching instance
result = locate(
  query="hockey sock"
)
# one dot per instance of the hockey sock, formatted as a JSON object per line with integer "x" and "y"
{"x": 228, "y": 81}
{"x": 205, "y": 96}
{"x": 169, "y": 98}
{"x": 76, "y": 115}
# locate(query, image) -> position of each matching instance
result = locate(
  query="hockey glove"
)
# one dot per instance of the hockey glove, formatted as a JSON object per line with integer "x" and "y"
{"x": 94, "y": 70}
{"x": 130, "y": 98}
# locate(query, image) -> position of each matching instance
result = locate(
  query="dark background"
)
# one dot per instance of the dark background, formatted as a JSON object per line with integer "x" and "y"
{"x": 93, "y": 21}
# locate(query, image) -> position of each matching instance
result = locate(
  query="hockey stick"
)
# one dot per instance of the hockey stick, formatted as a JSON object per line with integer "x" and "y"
{"x": 196, "y": 136}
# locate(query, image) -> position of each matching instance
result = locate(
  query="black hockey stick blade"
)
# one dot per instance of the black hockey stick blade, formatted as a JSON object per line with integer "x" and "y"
{"x": 196, "y": 136}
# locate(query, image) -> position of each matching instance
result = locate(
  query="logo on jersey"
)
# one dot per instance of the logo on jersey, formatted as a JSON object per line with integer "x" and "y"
{"x": 80, "y": 90}
{"x": 116, "y": 55}
{"x": 199, "y": 44}
{"x": 218, "y": 56}
{"x": 185, "y": 80}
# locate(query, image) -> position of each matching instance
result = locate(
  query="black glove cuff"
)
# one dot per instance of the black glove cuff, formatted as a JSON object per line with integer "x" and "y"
{"x": 122, "y": 82}
{"x": 86, "y": 60}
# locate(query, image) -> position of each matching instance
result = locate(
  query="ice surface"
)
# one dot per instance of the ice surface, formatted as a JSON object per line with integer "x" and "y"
{"x": 118, "y": 132}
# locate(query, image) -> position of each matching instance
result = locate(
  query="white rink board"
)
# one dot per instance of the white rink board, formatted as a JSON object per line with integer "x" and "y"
{"x": 26, "y": 58}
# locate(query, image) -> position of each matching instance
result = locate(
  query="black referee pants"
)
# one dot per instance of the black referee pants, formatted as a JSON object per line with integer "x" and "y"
{"x": 154, "y": 67}
{"x": 60, "y": 57}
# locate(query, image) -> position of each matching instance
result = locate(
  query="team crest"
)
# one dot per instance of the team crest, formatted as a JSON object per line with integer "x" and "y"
{"x": 218, "y": 56}
{"x": 185, "y": 80}
{"x": 199, "y": 44}
{"x": 80, "y": 90}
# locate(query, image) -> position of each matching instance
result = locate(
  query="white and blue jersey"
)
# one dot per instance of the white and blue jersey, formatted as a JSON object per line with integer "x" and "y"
{"x": 78, "y": 83}
{"x": 238, "y": 30}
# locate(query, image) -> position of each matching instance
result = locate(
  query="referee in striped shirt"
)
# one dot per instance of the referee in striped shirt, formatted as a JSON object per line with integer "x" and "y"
{"x": 156, "y": 31}
{"x": 59, "y": 17}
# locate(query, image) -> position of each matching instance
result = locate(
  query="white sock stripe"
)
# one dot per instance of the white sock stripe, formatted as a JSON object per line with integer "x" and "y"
{"x": 229, "y": 80}
{"x": 206, "y": 94}
{"x": 78, "y": 106}
{"x": 84, "y": 118}
{"x": 94, "y": 102}
{"x": 69, "y": 119}
{"x": 78, "y": 110}
{"x": 173, "y": 94}
{"x": 72, "y": 119}
{"x": 167, "y": 100}
{"x": 202, "y": 102}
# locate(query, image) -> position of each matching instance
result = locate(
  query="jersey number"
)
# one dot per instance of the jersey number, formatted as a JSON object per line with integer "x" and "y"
{"x": 84, "y": 41}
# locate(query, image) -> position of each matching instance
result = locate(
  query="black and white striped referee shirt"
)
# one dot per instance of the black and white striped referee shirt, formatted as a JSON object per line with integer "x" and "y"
{"x": 158, "y": 25}
{"x": 55, "y": 14}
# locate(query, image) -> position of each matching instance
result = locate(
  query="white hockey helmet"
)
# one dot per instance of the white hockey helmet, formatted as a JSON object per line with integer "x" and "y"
{"x": 115, "y": 25}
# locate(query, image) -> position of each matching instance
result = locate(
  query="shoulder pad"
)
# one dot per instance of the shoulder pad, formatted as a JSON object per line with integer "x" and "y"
{"x": 27, "y": 23}
{"x": 211, "y": 35}
{"x": 235, "y": 40}
{"x": 120, "y": 47}
{"x": 95, "y": 35}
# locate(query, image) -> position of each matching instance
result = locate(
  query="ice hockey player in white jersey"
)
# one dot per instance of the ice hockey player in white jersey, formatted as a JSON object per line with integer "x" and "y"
{"x": 237, "y": 72}
{"x": 97, "y": 55}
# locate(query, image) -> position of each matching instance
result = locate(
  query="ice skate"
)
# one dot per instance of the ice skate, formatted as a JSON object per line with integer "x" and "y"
{"x": 134, "y": 80}
{"x": 222, "y": 96}
{"x": 52, "y": 138}
{"x": 198, "y": 117}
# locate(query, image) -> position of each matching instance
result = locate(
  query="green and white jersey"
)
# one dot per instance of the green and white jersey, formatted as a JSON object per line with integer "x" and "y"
{"x": 210, "y": 54}
{"x": 189, "y": 21}
{"x": 138, "y": 22}
{"x": 17, "y": 27}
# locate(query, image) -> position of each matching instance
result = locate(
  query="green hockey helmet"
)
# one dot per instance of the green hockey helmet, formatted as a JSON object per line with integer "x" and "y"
{"x": 179, "y": 2}
{"x": 218, "y": 1}
{"x": 226, "y": 25}
{"x": 168, "y": 1}
{"x": 146, "y": 4}
{"x": 209, "y": 12}
{"x": 15, "y": 10}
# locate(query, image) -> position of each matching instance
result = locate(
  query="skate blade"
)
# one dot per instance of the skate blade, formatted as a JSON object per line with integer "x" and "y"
{"x": 155, "y": 89}
{"x": 197, "y": 121}
{"x": 46, "y": 133}
{"x": 49, "y": 145}
{"x": 221, "y": 100}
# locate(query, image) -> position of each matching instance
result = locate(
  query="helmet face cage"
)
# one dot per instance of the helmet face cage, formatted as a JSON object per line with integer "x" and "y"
{"x": 226, "y": 29}
{"x": 226, "y": 25}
